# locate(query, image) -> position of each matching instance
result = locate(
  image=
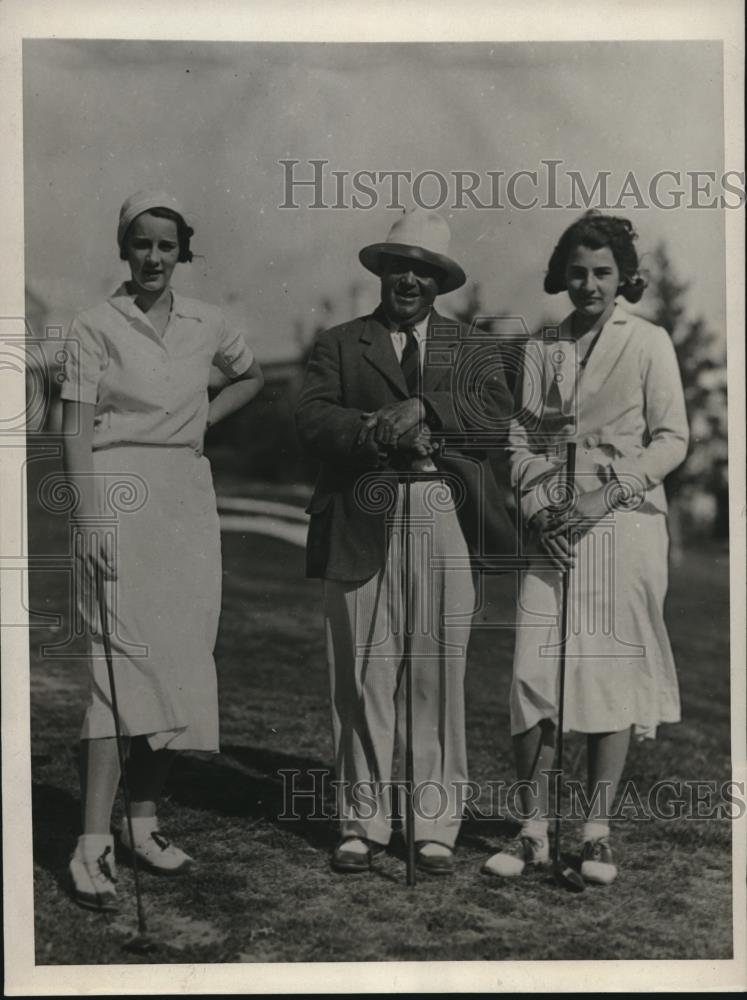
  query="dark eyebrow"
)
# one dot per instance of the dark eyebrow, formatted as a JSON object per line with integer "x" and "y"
{"x": 598, "y": 267}
{"x": 165, "y": 241}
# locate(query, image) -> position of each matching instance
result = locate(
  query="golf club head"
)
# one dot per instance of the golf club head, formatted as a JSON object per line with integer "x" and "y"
{"x": 141, "y": 944}
{"x": 567, "y": 877}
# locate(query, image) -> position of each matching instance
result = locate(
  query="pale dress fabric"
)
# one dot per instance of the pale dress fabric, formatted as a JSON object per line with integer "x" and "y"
{"x": 626, "y": 412}
{"x": 155, "y": 488}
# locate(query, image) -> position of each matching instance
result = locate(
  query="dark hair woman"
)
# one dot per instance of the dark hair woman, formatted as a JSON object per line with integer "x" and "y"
{"x": 608, "y": 381}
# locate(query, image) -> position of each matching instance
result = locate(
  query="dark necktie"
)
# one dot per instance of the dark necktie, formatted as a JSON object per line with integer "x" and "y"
{"x": 410, "y": 361}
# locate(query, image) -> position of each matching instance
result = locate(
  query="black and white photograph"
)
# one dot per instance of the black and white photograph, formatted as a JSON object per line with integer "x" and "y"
{"x": 373, "y": 498}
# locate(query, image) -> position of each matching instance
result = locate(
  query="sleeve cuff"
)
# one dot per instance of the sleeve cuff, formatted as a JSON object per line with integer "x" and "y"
{"x": 234, "y": 356}
{"x": 539, "y": 496}
{"x": 629, "y": 479}
{"x": 243, "y": 364}
{"x": 530, "y": 505}
{"x": 239, "y": 366}
{"x": 79, "y": 393}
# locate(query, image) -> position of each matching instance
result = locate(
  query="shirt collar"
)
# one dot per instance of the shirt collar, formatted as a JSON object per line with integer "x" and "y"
{"x": 420, "y": 329}
{"x": 124, "y": 301}
{"x": 619, "y": 315}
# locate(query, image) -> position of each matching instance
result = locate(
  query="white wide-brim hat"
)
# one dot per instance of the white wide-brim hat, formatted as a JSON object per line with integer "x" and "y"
{"x": 143, "y": 201}
{"x": 418, "y": 235}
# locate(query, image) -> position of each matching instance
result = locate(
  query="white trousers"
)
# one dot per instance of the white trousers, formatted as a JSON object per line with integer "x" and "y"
{"x": 364, "y": 626}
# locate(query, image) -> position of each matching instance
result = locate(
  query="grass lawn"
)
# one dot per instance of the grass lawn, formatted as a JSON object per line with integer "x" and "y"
{"x": 264, "y": 891}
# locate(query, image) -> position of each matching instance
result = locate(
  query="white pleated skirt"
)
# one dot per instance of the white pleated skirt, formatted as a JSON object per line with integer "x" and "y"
{"x": 164, "y": 605}
{"x": 620, "y": 670}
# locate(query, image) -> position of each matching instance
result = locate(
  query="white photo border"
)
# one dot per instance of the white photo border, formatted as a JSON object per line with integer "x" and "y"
{"x": 326, "y": 20}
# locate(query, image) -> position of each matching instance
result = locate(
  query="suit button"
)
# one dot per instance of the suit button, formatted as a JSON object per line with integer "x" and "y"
{"x": 591, "y": 441}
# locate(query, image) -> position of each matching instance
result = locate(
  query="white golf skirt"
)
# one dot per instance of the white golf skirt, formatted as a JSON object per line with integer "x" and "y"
{"x": 164, "y": 605}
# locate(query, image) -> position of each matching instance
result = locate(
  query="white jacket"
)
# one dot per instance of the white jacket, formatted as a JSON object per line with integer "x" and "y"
{"x": 625, "y": 410}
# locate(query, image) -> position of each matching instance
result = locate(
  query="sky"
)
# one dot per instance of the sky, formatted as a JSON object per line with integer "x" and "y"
{"x": 210, "y": 121}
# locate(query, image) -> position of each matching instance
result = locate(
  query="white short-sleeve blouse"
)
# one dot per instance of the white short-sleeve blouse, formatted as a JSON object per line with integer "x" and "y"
{"x": 149, "y": 389}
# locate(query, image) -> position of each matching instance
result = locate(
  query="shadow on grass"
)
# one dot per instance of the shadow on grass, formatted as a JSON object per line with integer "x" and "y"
{"x": 291, "y": 792}
{"x": 294, "y": 794}
{"x": 56, "y": 826}
{"x": 240, "y": 782}
{"x": 481, "y": 833}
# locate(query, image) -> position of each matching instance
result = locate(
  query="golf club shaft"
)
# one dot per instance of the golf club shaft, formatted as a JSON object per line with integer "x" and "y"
{"x": 120, "y": 744}
{"x": 407, "y": 658}
{"x": 570, "y": 469}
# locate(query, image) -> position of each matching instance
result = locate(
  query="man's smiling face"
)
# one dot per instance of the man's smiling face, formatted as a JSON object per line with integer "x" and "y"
{"x": 408, "y": 289}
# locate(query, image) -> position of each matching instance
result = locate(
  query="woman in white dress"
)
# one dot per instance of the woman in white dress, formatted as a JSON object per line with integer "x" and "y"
{"x": 135, "y": 410}
{"x": 609, "y": 381}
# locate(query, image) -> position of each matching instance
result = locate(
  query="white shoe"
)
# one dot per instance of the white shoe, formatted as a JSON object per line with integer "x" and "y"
{"x": 597, "y": 863}
{"x": 157, "y": 853}
{"x": 523, "y": 853}
{"x": 94, "y": 879}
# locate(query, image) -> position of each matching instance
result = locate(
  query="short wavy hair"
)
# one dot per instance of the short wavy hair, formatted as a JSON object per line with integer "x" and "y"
{"x": 595, "y": 231}
{"x": 183, "y": 231}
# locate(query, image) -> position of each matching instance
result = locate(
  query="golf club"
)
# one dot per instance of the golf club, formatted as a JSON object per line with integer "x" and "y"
{"x": 407, "y": 666}
{"x": 563, "y": 874}
{"x": 142, "y": 942}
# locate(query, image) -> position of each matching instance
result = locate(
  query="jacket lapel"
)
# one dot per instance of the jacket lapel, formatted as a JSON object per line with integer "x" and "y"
{"x": 560, "y": 359}
{"x": 378, "y": 350}
{"x": 441, "y": 340}
{"x": 606, "y": 354}
{"x": 441, "y": 345}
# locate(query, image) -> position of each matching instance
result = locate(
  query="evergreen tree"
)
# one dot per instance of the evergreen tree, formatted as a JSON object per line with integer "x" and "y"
{"x": 702, "y": 362}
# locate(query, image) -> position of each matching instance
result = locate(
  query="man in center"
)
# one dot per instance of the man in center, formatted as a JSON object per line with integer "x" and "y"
{"x": 404, "y": 389}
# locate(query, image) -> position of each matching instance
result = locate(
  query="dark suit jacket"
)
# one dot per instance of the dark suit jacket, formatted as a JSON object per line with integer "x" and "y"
{"x": 353, "y": 369}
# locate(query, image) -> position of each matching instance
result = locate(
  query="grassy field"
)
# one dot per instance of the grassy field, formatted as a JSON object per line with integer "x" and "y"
{"x": 264, "y": 891}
